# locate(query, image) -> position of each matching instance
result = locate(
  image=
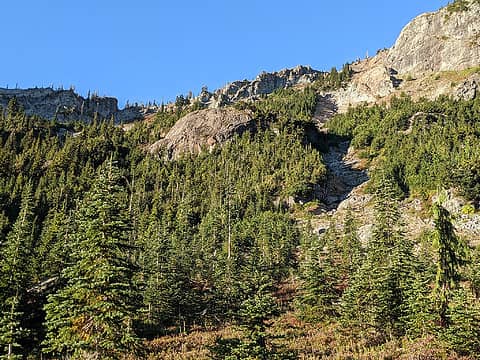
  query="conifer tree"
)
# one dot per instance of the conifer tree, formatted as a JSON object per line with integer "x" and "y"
{"x": 463, "y": 331}
{"x": 320, "y": 275}
{"x": 92, "y": 315}
{"x": 351, "y": 246}
{"x": 255, "y": 312}
{"x": 451, "y": 257}
{"x": 418, "y": 311}
{"x": 15, "y": 275}
{"x": 377, "y": 294}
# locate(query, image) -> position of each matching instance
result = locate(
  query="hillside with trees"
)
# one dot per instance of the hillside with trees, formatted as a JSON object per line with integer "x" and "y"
{"x": 318, "y": 215}
{"x": 109, "y": 251}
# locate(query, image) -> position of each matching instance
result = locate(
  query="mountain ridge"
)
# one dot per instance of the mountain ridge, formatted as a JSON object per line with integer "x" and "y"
{"x": 415, "y": 54}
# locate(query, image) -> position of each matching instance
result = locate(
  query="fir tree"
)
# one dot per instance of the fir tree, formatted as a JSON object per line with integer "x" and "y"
{"x": 320, "y": 275}
{"x": 15, "y": 277}
{"x": 93, "y": 313}
{"x": 451, "y": 257}
{"x": 351, "y": 248}
{"x": 255, "y": 313}
{"x": 463, "y": 331}
{"x": 376, "y": 297}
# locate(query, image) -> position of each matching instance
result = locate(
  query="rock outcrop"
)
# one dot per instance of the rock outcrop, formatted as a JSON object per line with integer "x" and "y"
{"x": 468, "y": 89}
{"x": 448, "y": 39}
{"x": 432, "y": 43}
{"x": 66, "y": 105}
{"x": 203, "y": 129}
{"x": 264, "y": 84}
{"x": 372, "y": 80}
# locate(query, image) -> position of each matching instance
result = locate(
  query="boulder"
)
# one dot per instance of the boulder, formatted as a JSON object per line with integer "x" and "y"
{"x": 204, "y": 129}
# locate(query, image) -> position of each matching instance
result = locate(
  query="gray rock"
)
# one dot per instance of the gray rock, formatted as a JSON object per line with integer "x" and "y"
{"x": 264, "y": 84}
{"x": 467, "y": 90}
{"x": 66, "y": 105}
{"x": 439, "y": 41}
{"x": 203, "y": 129}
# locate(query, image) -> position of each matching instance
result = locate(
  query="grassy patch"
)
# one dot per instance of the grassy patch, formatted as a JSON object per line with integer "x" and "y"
{"x": 457, "y": 6}
{"x": 310, "y": 341}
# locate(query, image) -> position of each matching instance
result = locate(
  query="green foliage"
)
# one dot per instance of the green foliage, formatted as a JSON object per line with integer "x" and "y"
{"x": 457, "y": 6}
{"x": 194, "y": 224}
{"x": 472, "y": 272}
{"x": 376, "y": 299}
{"x": 419, "y": 314}
{"x": 161, "y": 246}
{"x": 290, "y": 104}
{"x": 463, "y": 331}
{"x": 15, "y": 278}
{"x": 334, "y": 79}
{"x": 255, "y": 312}
{"x": 321, "y": 276}
{"x": 451, "y": 257}
{"x": 422, "y": 145}
{"x": 351, "y": 248}
{"x": 93, "y": 312}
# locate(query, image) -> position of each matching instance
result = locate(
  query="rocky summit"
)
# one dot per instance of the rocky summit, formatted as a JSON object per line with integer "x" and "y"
{"x": 432, "y": 43}
{"x": 417, "y": 65}
{"x": 448, "y": 39}
{"x": 264, "y": 84}
{"x": 427, "y": 49}
{"x": 66, "y": 105}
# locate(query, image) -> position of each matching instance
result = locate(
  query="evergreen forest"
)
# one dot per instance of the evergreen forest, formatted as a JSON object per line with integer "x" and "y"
{"x": 110, "y": 252}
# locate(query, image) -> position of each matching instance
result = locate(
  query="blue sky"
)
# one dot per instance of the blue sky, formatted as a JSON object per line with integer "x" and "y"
{"x": 146, "y": 50}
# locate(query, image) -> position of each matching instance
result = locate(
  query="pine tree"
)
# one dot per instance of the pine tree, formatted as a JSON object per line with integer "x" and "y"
{"x": 53, "y": 248}
{"x": 15, "y": 274}
{"x": 93, "y": 313}
{"x": 255, "y": 312}
{"x": 463, "y": 331}
{"x": 451, "y": 257}
{"x": 376, "y": 296}
{"x": 352, "y": 251}
{"x": 418, "y": 311}
{"x": 153, "y": 260}
{"x": 320, "y": 275}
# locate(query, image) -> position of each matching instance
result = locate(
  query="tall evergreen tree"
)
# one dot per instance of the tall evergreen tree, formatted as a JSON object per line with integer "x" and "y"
{"x": 376, "y": 296}
{"x": 15, "y": 275}
{"x": 255, "y": 313}
{"x": 93, "y": 313}
{"x": 451, "y": 257}
{"x": 321, "y": 277}
{"x": 351, "y": 248}
{"x": 463, "y": 331}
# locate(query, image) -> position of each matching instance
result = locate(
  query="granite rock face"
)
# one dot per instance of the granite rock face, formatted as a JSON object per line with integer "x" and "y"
{"x": 468, "y": 89}
{"x": 445, "y": 40}
{"x": 448, "y": 39}
{"x": 372, "y": 80}
{"x": 66, "y": 105}
{"x": 264, "y": 84}
{"x": 203, "y": 129}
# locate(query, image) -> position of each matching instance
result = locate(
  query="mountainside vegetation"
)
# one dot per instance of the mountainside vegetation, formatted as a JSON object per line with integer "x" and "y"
{"x": 421, "y": 145}
{"x": 108, "y": 251}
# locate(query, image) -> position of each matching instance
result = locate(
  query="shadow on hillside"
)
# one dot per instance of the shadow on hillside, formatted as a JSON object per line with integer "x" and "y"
{"x": 343, "y": 172}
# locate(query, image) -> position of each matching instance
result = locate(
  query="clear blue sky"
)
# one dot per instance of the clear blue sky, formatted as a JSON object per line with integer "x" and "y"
{"x": 141, "y": 50}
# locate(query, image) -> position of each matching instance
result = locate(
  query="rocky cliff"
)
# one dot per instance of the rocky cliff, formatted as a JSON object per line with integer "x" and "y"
{"x": 66, "y": 105}
{"x": 432, "y": 43}
{"x": 448, "y": 39}
{"x": 264, "y": 84}
{"x": 203, "y": 129}
{"x": 430, "y": 58}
